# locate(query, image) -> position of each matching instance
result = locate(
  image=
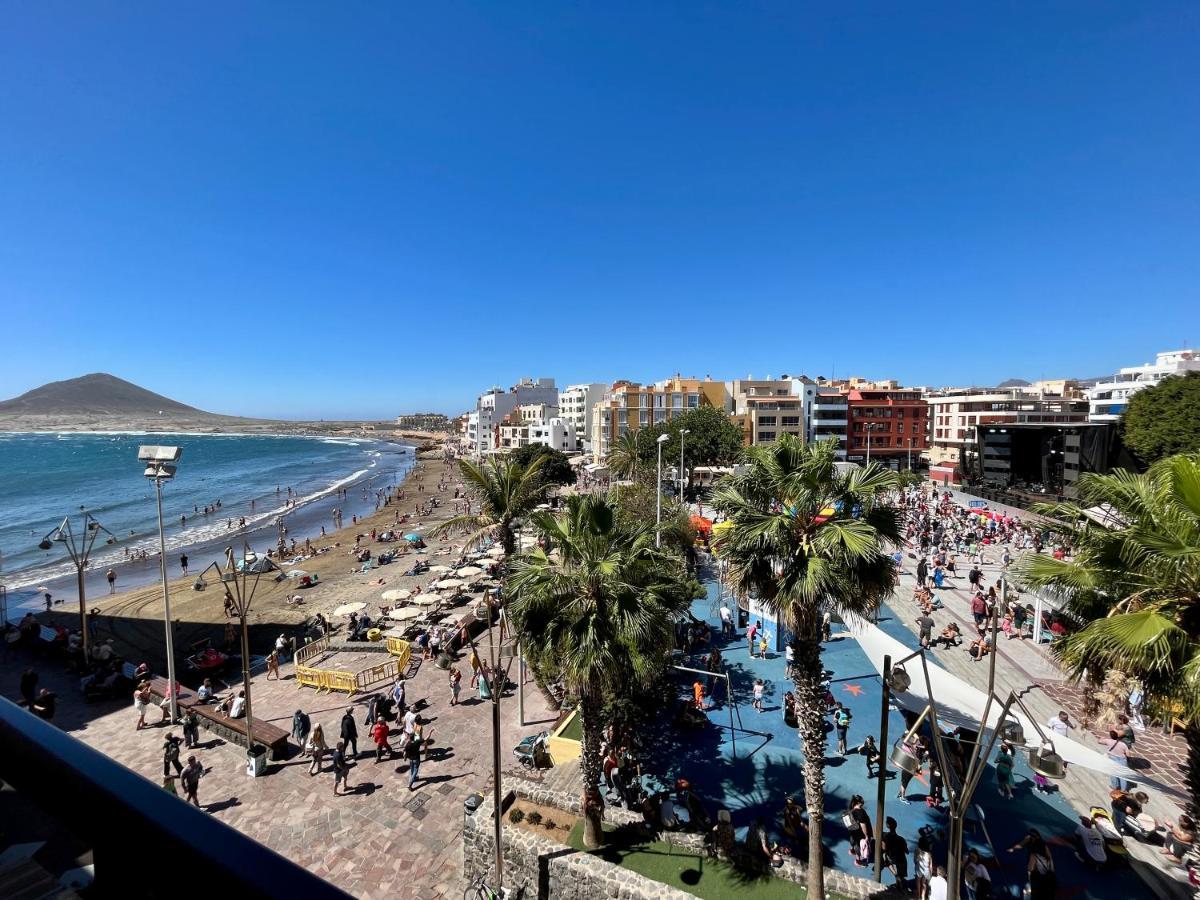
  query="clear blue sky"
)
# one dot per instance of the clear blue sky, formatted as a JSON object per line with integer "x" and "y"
{"x": 337, "y": 209}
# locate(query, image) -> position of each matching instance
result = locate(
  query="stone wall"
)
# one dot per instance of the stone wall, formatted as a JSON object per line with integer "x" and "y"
{"x": 544, "y": 869}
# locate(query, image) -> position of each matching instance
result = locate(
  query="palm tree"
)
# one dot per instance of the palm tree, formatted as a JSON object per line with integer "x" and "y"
{"x": 1137, "y": 584}
{"x": 602, "y": 603}
{"x": 623, "y": 456}
{"x": 807, "y": 537}
{"x": 505, "y": 491}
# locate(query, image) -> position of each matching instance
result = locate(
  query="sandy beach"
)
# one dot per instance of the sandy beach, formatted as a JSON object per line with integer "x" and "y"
{"x": 134, "y": 619}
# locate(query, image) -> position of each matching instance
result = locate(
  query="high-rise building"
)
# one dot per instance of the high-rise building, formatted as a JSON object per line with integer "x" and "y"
{"x": 1107, "y": 399}
{"x": 483, "y": 423}
{"x": 888, "y": 425}
{"x": 575, "y": 404}
{"x": 766, "y": 408}
{"x": 828, "y": 418}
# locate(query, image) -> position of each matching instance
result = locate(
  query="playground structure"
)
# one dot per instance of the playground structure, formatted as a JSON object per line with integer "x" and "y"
{"x": 312, "y": 669}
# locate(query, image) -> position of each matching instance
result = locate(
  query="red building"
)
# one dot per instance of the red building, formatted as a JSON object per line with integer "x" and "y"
{"x": 895, "y": 420}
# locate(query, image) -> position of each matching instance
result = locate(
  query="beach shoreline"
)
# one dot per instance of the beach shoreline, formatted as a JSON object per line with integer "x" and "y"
{"x": 133, "y": 618}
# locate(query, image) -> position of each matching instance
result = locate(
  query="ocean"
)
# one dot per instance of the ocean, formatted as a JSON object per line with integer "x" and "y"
{"x": 45, "y": 477}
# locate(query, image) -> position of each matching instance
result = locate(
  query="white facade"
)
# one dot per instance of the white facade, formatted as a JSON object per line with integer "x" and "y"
{"x": 828, "y": 417}
{"x": 1107, "y": 399}
{"x": 575, "y": 404}
{"x": 555, "y": 432}
{"x": 493, "y": 405}
{"x": 769, "y": 408}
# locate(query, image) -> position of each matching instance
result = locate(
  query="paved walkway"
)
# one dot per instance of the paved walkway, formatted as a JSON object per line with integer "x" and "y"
{"x": 380, "y": 841}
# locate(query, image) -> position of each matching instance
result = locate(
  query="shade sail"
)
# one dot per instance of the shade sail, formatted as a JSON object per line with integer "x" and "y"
{"x": 958, "y": 704}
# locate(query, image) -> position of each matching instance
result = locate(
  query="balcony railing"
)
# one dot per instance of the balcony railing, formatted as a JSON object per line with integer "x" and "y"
{"x": 142, "y": 838}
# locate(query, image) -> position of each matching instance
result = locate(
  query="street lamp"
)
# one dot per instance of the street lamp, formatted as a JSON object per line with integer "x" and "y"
{"x": 870, "y": 427}
{"x": 681, "y": 434}
{"x": 160, "y": 466}
{"x": 79, "y": 550}
{"x": 662, "y": 439}
{"x": 235, "y": 578}
{"x": 910, "y": 440}
{"x": 1043, "y": 759}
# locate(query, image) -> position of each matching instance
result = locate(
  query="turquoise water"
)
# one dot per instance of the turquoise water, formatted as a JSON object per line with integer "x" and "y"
{"x": 44, "y": 477}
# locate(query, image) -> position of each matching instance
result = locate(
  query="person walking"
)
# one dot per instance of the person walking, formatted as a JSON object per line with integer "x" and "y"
{"x": 349, "y": 734}
{"x": 341, "y": 769}
{"x": 301, "y": 725}
{"x": 476, "y": 665}
{"x": 29, "y": 682}
{"x": 112, "y": 581}
{"x": 759, "y": 687}
{"x": 379, "y": 732}
{"x": 191, "y": 729}
{"x": 412, "y": 752}
{"x": 317, "y": 748}
{"x": 455, "y": 685}
{"x": 183, "y": 562}
{"x": 1004, "y": 771}
{"x": 751, "y": 636}
{"x": 171, "y": 754}
{"x": 141, "y": 701}
{"x": 272, "y": 665}
{"x": 841, "y": 724}
{"x": 189, "y": 778}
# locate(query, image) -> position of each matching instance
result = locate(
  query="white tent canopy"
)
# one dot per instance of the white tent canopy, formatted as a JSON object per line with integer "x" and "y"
{"x": 958, "y": 704}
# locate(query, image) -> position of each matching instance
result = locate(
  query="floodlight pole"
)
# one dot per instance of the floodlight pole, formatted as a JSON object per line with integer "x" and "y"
{"x": 881, "y": 787}
{"x": 79, "y": 553}
{"x": 162, "y": 561}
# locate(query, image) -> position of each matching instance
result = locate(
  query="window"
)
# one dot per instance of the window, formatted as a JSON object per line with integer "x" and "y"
{"x": 791, "y": 421}
{"x": 693, "y": 401}
{"x": 766, "y": 435}
{"x": 677, "y": 401}
{"x": 766, "y": 420}
{"x": 660, "y": 401}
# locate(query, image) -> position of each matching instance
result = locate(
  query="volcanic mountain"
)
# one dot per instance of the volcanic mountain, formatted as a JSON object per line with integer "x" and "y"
{"x": 102, "y": 401}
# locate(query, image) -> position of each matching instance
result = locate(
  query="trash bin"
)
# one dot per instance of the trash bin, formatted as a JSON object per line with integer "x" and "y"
{"x": 256, "y": 761}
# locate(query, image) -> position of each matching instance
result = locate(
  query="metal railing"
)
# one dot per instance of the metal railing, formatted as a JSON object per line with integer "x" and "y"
{"x": 144, "y": 841}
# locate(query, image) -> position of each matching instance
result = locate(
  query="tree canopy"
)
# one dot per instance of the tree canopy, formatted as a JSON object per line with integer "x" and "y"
{"x": 714, "y": 440}
{"x": 554, "y": 467}
{"x": 1163, "y": 420}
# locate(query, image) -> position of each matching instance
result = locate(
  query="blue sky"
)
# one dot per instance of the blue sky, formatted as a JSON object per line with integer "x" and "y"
{"x": 359, "y": 209}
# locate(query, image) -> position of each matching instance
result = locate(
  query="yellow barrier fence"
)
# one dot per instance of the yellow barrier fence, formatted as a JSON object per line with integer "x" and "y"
{"x": 311, "y": 649}
{"x": 402, "y": 650}
{"x": 326, "y": 679}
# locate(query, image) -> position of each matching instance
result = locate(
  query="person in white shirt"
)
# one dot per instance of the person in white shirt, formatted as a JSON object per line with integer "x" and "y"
{"x": 938, "y": 885}
{"x": 410, "y": 722}
{"x": 726, "y": 620}
{"x": 237, "y": 708}
{"x": 1060, "y": 724}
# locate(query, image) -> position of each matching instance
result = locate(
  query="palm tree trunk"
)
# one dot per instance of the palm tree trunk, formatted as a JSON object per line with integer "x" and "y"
{"x": 590, "y": 765}
{"x": 508, "y": 539}
{"x": 810, "y": 715}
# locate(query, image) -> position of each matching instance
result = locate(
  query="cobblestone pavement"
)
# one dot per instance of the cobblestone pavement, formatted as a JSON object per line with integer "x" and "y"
{"x": 380, "y": 840}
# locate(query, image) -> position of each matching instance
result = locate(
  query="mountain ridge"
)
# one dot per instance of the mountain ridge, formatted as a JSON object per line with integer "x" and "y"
{"x": 98, "y": 394}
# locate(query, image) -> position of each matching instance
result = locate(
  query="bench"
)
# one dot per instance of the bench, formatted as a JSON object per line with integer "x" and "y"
{"x": 274, "y": 738}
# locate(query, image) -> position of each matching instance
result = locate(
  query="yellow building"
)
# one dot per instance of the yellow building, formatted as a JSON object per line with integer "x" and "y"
{"x": 629, "y": 406}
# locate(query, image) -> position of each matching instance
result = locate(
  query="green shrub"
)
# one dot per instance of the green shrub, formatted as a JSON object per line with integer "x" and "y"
{"x": 534, "y": 818}
{"x": 516, "y": 815}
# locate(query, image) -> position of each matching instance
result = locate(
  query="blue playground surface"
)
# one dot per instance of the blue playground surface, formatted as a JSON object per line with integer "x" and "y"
{"x": 767, "y": 768}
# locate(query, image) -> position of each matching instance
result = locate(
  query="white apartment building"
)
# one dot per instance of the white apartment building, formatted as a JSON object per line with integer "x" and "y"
{"x": 767, "y": 408}
{"x": 575, "y": 404}
{"x": 555, "y": 432}
{"x": 954, "y": 413}
{"x": 1107, "y": 399}
{"x": 828, "y": 418}
{"x": 483, "y": 425}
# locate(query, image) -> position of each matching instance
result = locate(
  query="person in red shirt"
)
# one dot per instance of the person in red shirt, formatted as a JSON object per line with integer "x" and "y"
{"x": 380, "y": 733}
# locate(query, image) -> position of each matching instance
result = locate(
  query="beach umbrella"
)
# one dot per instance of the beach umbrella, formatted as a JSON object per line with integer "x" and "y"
{"x": 425, "y": 599}
{"x": 449, "y": 583}
{"x": 440, "y": 569}
{"x": 469, "y": 570}
{"x": 394, "y": 595}
{"x": 496, "y": 552}
{"x": 346, "y": 608}
{"x": 412, "y": 538}
{"x": 403, "y": 615}
{"x": 296, "y": 573}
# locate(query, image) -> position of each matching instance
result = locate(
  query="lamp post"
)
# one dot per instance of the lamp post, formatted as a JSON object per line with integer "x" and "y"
{"x": 870, "y": 428}
{"x": 910, "y": 440}
{"x": 662, "y": 439}
{"x": 1043, "y": 760}
{"x": 160, "y": 466}
{"x": 79, "y": 550}
{"x": 240, "y": 586}
{"x": 681, "y": 434}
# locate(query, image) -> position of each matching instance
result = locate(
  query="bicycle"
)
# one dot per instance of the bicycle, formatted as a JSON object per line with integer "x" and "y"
{"x": 479, "y": 889}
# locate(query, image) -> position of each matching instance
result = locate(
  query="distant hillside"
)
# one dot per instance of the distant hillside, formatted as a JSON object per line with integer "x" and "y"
{"x": 1013, "y": 383}
{"x": 96, "y": 395}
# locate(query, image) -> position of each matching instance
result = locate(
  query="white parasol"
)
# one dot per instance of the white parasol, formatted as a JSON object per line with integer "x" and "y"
{"x": 496, "y": 552}
{"x": 440, "y": 569}
{"x": 425, "y": 599}
{"x": 403, "y": 615}
{"x": 346, "y": 608}
{"x": 449, "y": 583}
{"x": 397, "y": 594}
{"x": 467, "y": 571}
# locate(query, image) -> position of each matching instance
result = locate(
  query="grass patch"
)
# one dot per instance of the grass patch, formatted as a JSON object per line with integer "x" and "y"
{"x": 573, "y": 731}
{"x": 695, "y": 873}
